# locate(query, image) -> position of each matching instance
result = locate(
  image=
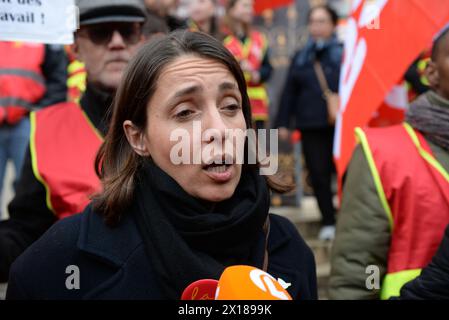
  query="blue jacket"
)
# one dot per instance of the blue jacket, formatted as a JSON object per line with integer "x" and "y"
{"x": 302, "y": 104}
{"x": 113, "y": 263}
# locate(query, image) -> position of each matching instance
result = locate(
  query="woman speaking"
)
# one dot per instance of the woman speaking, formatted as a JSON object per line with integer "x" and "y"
{"x": 157, "y": 226}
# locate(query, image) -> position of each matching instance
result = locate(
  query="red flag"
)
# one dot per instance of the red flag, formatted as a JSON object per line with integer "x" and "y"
{"x": 383, "y": 38}
{"x": 393, "y": 108}
{"x": 261, "y": 5}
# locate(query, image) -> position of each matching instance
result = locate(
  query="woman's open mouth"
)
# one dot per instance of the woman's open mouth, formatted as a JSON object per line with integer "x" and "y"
{"x": 219, "y": 170}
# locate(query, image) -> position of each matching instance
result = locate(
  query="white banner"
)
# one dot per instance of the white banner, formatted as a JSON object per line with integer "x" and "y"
{"x": 42, "y": 21}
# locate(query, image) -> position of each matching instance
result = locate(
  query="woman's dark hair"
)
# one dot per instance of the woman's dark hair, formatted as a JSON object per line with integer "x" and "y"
{"x": 117, "y": 164}
{"x": 332, "y": 13}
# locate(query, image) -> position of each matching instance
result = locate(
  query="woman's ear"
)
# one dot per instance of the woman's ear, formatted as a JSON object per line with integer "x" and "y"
{"x": 136, "y": 138}
{"x": 432, "y": 75}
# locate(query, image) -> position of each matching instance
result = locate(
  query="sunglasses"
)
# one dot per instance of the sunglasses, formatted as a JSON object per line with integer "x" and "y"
{"x": 101, "y": 34}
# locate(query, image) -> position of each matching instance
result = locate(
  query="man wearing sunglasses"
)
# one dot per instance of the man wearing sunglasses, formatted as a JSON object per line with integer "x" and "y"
{"x": 58, "y": 175}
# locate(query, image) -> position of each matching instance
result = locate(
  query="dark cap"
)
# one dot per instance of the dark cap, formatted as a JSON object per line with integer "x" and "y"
{"x": 100, "y": 11}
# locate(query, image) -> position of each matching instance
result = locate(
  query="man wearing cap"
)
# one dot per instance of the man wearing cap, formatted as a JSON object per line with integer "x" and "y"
{"x": 58, "y": 174}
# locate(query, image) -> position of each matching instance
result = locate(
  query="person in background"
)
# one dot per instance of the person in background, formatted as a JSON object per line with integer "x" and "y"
{"x": 154, "y": 26}
{"x": 415, "y": 76}
{"x": 166, "y": 9}
{"x": 32, "y": 77}
{"x": 158, "y": 226}
{"x": 76, "y": 81}
{"x": 58, "y": 176}
{"x": 202, "y": 17}
{"x": 303, "y": 105}
{"x": 250, "y": 48}
{"x": 395, "y": 202}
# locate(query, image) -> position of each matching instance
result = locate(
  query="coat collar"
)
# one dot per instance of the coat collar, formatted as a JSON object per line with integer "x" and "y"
{"x": 111, "y": 245}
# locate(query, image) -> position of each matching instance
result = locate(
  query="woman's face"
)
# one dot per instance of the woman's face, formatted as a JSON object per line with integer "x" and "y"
{"x": 243, "y": 11}
{"x": 201, "y": 10}
{"x": 320, "y": 24}
{"x": 193, "y": 95}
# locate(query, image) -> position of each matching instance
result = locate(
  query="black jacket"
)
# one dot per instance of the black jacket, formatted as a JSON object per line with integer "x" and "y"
{"x": 302, "y": 104}
{"x": 113, "y": 263}
{"x": 433, "y": 283}
{"x": 29, "y": 216}
{"x": 54, "y": 69}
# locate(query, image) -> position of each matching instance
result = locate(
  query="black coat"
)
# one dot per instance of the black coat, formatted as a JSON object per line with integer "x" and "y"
{"x": 113, "y": 263}
{"x": 433, "y": 283}
{"x": 302, "y": 104}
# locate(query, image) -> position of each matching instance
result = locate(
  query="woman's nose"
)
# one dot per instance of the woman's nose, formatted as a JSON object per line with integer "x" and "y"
{"x": 214, "y": 126}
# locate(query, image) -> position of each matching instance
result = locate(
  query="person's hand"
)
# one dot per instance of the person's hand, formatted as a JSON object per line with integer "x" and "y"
{"x": 283, "y": 133}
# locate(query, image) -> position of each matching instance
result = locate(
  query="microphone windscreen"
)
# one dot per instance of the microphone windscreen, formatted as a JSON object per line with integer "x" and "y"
{"x": 200, "y": 290}
{"x": 249, "y": 283}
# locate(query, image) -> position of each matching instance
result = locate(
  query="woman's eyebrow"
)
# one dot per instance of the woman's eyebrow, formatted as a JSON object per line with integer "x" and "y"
{"x": 187, "y": 91}
{"x": 227, "y": 86}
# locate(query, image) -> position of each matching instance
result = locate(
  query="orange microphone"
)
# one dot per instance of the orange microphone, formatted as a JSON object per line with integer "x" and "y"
{"x": 249, "y": 283}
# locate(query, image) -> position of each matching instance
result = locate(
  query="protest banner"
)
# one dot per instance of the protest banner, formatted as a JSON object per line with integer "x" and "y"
{"x": 42, "y": 21}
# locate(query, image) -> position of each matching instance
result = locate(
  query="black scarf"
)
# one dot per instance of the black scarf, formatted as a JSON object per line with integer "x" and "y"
{"x": 189, "y": 240}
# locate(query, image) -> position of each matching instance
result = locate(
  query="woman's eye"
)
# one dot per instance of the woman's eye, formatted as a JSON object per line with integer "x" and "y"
{"x": 184, "y": 114}
{"x": 232, "y": 107}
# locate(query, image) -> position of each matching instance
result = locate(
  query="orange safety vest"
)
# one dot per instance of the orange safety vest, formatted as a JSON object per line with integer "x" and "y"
{"x": 413, "y": 188}
{"x": 22, "y": 83}
{"x": 63, "y": 145}
{"x": 253, "y": 50}
{"x": 76, "y": 77}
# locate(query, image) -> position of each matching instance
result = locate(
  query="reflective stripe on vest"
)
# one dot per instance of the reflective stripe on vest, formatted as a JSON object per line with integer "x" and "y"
{"x": 15, "y": 102}
{"x": 361, "y": 137}
{"x": 21, "y": 79}
{"x": 426, "y": 155}
{"x": 23, "y": 73}
{"x": 258, "y": 93}
{"x": 393, "y": 282}
{"x": 405, "y": 261}
{"x": 259, "y": 102}
{"x": 76, "y": 81}
{"x": 63, "y": 146}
